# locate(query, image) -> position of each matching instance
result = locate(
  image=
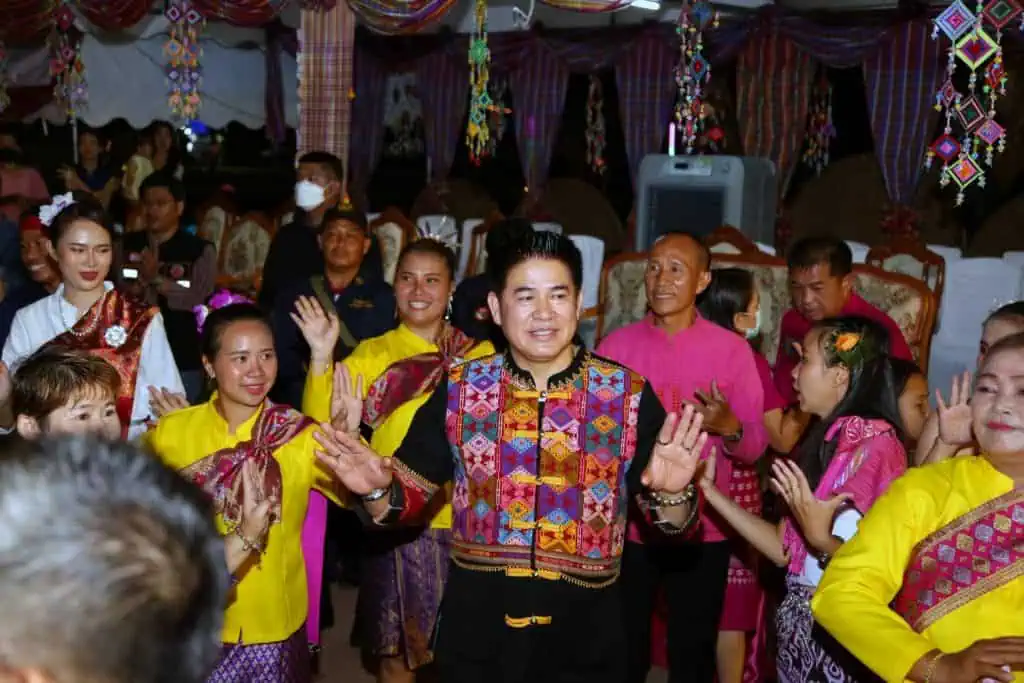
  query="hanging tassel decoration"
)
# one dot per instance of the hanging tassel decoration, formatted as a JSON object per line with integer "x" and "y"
{"x": 595, "y": 132}
{"x": 498, "y": 113}
{"x": 693, "y": 71}
{"x": 183, "y": 53}
{"x": 971, "y": 135}
{"x": 5, "y": 99}
{"x": 66, "y": 64}
{"x": 478, "y": 127}
{"x": 820, "y": 129}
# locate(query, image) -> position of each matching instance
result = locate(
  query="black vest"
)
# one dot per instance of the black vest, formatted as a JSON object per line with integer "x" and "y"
{"x": 177, "y": 256}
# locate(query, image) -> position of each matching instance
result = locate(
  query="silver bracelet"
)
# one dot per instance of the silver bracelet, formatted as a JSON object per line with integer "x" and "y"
{"x": 376, "y": 494}
{"x": 663, "y": 501}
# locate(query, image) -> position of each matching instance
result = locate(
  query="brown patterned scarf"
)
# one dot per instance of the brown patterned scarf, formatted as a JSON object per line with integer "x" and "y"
{"x": 414, "y": 376}
{"x": 219, "y": 474}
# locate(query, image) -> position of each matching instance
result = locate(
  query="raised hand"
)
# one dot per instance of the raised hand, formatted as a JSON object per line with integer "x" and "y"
{"x": 814, "y": 515}
{"x": 346, "y": 401}
{"x": 319, "y": 328}
{"x": 707, "y": 471}
{"x": 718, "y": 415}
{"x": 955, "y": 417}
{"x": 356, "y": 465}
{"x": 259, "y": 511}
{"x": 164, "y": 401}
{"x": 674, "y": 459}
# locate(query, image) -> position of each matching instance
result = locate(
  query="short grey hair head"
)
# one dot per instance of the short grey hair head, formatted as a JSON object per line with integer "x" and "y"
{"x": 111, "y": 567}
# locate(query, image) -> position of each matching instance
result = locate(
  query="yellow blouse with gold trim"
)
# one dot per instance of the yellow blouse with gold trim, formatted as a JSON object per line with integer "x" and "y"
{"x": 937, "y": 563}
{"x": 270, "y": 602}
{"x": 369, "y": 361}
{"x": 541, "y": 486}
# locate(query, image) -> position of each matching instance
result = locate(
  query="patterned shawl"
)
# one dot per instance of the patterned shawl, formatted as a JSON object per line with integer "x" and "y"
{"x": 218, "y": 474}
{"x": 414, "y": 376}
{"x": 868, "y": 458}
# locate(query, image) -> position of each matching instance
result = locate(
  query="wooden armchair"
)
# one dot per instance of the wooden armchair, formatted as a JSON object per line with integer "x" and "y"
{"x": 622, "y": 297}
{"x": 909, "y": 301}
{"x": 772, "y": 279}
{"x": 729, "y": 240}
{"x": 393, "y": 231}
{"x": 478, "y": 244}
{"x": 911, "y": 258}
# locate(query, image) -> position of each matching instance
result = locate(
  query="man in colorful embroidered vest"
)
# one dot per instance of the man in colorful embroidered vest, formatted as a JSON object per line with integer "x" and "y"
{"x": 821, "y": 286}
{"x": 931, "y": 589}
{"x": 544, "y": 446}
{"x": 364, "y": 302}
{"x": 167, "y": 266}
{"x": 689, "y": 361}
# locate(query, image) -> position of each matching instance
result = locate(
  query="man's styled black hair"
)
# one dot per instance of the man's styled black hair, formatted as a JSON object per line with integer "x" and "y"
{"x": 542, "y": 245}
{"x": 111, "y": 567}
{"x": 815, "y": 251}
{"x": 326, "y": 161}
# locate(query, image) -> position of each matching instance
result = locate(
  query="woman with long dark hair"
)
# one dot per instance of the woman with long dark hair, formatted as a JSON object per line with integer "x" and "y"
{"x": 848, "y": 457}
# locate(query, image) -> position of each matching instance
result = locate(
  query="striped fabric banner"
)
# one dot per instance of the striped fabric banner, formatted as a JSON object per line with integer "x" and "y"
{"x": 773, "y": 84}
{"x": 647, "y": 91}
{"x": 367, "y": 135}
{"x": 442, "y": 83}
{"x": 326, "y": 44}
{"x": 901, "y": 79}
{"x": 538, "y": 89}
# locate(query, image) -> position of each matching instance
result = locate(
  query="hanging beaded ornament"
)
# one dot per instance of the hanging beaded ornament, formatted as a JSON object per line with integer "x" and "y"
{"x": 498, "y": 113}
{"x": 183, "y": 52}
{"x": 5, "y": 99}
{"x": 971, "y": 136}
{"x": 66, "y": 64}
{"x": 478, "y": 127}
{"x": 820, "y": 130}
{"x": 694, "y": 69}
{"x": 595, "y": 126}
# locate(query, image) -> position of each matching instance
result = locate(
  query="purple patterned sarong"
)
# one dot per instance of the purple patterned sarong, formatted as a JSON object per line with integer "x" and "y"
{"x": 285, "y": 662}
{"x": 403, "y": 581}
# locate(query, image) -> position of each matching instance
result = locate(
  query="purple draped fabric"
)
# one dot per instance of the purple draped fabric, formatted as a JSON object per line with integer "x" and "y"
{"x": 367, "y": 119}
{"x": 442, "y": 83}
{"x": 901, "y": 79}
{"x": 538, "y": 89}
{"x": 280, "y": 40}
{"x": 646, "y": 95}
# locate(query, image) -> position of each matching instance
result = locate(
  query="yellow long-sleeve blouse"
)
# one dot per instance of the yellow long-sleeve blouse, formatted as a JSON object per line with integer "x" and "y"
{"x": 370, "y": 359}
{"x": 852, "y": 600}
{"x": 270, "y": 601}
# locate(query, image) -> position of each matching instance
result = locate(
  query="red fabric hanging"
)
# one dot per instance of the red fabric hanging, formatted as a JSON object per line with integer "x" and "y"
{"x": 112, "y": 15}
{"x": 251, "y": 13}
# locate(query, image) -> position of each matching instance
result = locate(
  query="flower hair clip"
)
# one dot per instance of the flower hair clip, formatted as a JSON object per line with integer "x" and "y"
{"x": 49, "y": 212}
{"x": 849, "y": 348}
{"x": 220, "y": 299}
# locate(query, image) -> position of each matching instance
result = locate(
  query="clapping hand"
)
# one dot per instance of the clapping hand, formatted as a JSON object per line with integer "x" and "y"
{"x": 674, "y": 458}
{"x": 319, "y": 328}
{"x": 815, "y": 516}
{"x": 259, "y": 511}
{"x": 346, "y": 401}
{"x": 356, "y": 465}
{"x": 955, "y": 417}
{"x": 718, "y": 416}
{"x": 164, "y": 401}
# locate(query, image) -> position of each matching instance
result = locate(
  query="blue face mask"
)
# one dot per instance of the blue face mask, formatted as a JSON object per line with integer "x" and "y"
{"x": 756, "y": 329}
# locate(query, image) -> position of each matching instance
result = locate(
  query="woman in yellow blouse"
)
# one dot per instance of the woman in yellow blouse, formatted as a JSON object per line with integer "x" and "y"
{"x": 405, "y": 570}
{"x": 263, "y": 637}
{"x": 931, "y": 589}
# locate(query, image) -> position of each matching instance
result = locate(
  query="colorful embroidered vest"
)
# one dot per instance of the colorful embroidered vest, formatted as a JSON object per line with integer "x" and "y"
{"x": 540, "y": 480}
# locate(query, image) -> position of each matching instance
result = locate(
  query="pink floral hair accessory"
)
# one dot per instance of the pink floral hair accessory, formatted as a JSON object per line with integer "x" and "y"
{"x": 220, "y": 299}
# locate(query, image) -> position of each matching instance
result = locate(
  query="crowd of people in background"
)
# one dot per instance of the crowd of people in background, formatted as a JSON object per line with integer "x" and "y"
{"x": 184, "y": 468}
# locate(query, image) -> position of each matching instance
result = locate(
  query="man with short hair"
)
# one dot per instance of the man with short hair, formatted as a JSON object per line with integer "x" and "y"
{"x": 173, "y": 269}
{"x": 820, "y": 287}
{"x": 688, "y": 361}
{"x": 111, "y": 568}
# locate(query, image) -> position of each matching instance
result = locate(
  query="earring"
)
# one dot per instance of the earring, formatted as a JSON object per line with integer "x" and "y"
{"x": 448, "y": 311}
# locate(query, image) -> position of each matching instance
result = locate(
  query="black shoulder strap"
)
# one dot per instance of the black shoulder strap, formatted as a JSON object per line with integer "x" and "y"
{"x": 320, "y": 290}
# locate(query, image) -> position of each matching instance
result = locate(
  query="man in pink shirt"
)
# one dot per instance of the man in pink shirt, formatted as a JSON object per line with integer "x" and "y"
{"x": 681, "y": 355}
{"x": 821, "y": 286}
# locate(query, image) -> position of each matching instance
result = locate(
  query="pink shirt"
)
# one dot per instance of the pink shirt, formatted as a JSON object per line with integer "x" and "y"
{"x": 794, "y": 328}
{"x": 772, "y": 398}
{"x": 677, "y": 366}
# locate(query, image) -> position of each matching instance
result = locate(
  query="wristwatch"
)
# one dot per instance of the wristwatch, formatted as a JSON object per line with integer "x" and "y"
{"x": 376, "y": 494}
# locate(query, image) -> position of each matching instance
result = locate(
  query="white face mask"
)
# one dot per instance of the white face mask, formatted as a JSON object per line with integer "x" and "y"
{"x": 756, "y": 329}
{"x": 308, "y": 195}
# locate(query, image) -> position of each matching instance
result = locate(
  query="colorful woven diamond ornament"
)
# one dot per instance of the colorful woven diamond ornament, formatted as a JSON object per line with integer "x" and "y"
{"x": 183, "y": 52}
{"x": 66, "y": 64}
{"x": 478, "y": 130}
{"x": 693, "y": 72}
{"x": 595, "y": 131}
{"x": 971, "y": 135}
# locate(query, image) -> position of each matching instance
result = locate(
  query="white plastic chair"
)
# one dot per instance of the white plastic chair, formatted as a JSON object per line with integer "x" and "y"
{"x": 974, "y": 288}
{"x": 859, "y": 249}
{"x": 371, "y": 217}
{"x": 437, "y": 224}
{"x": 947, "y": 252}
{"x": 548, "y": 227}
{"x": 766, "y": 248}
{"x": 592, "y": 251}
